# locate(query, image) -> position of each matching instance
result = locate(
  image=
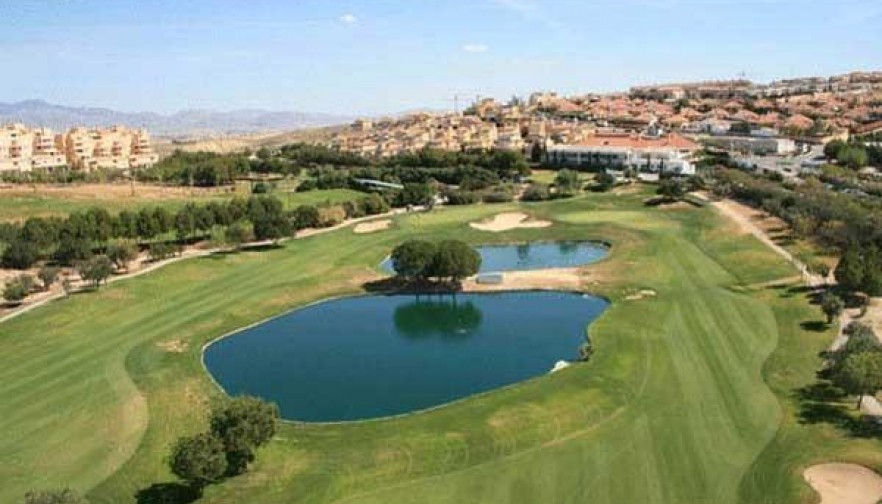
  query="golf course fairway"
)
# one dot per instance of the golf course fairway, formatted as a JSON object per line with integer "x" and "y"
{"x": 689, "y": 398}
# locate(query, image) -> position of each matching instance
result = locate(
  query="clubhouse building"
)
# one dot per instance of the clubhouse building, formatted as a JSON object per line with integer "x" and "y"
{"x": 668, "y": 154}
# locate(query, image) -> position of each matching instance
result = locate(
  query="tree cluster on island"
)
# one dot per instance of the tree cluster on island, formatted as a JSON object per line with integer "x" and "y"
{"x": 423, "y": 262}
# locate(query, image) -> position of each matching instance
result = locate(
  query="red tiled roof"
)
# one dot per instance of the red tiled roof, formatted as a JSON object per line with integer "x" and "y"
{"x": 673, "y": 141}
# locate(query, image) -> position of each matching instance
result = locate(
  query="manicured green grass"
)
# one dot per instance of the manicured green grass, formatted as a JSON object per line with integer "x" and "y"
{"x": 689, "y": 398}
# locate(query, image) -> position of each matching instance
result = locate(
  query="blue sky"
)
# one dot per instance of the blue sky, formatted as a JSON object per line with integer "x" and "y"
{"x": 372, "y": 57}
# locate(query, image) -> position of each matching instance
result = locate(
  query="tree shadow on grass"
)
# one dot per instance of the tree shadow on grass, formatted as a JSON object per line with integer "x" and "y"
{"x": 814, "y": 326}
{"x": 820, "y": 403}
{"x": 167, "y": 493}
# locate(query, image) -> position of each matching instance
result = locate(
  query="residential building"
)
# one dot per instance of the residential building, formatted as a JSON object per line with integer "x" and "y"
{"x": 753, "y": 144}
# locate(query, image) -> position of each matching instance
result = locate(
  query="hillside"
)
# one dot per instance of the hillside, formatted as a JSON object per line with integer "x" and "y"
{"x": 184, "y": 123}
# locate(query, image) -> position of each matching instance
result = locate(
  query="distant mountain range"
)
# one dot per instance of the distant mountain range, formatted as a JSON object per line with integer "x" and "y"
{"x": 184, "y": 123}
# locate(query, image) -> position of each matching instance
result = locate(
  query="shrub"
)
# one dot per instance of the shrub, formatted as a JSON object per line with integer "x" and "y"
{"x": 64, "y": 496}
{"x": 536, "y": 192}
{"x": 331, "y": 216}
{"x": 14, "y": 292}
{"x": 305, "y": 216}
{"x": 462, "y": 198}
{"x": 374, "y": 204}
{"x": 161, "y": 250}
{"x": 498, "y": 195}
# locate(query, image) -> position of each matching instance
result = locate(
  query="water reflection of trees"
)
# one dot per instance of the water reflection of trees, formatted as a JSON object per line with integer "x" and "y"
{"x": 568, "y": 247}
{"x": 445, "y": 317}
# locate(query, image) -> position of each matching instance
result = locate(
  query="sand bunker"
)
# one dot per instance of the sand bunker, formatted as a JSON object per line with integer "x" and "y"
{"x": 508, "y": 221}
{"x": 845, "y": 483}
{"x": 173, "y": 346}
{"x": 372, "y": 226}
{"x": 645, "y": 293}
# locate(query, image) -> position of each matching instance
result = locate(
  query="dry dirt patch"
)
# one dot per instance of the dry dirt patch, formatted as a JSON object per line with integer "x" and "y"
{"x": 372, "y": 226}
{"x": 508, "y": 221}
{"x": 844, "y": 483}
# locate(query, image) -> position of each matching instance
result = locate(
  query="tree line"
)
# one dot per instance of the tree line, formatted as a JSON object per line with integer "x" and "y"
{"x": 849, "y": 225}
{"x": 206, "y": 169}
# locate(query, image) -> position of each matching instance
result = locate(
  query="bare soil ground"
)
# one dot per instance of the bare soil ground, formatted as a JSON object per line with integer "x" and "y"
{"x": 556, "y": 278}
{"x": 508, "y": 221}
{"x": 372, "y": 226}
{"x": 113, "y": 191}
{"x": 845, "y": 483}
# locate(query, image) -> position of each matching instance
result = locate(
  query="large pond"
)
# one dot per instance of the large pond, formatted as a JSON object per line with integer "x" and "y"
{"x": 375, "y": 356}
{"x": 535, "y": 255}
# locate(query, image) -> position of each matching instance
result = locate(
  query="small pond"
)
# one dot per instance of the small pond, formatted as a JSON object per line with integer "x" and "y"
{"x": 375, "y": 356}
{"x": 532, "y": 256}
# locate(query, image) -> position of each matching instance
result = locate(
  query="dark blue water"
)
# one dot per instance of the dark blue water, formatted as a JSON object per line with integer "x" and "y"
{"x": 531, "y": 256}
{"x": 376, "y": 356}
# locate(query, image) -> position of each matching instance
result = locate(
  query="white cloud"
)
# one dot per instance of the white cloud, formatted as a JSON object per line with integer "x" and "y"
{"x": 475, "y": 48}
{"x": 348, "y": 18}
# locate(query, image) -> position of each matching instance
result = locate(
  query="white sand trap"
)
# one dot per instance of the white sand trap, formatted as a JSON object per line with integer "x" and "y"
{"x": 508, "y": 221}
{"x": 372, "y": 226}
{"x": 844, "y": 483}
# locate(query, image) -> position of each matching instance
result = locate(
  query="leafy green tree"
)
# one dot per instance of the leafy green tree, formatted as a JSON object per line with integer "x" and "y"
{"x": 535, "y": 192}
{"x": 48, "y": 275}
{"x": 305, "y": 217}
{"x": 374, "y": 204}
{"x": 849, "y": 272}
{"x": 416, "y": 194}
{"x": 413, "y": 258}
{"x": 605, "y": 181}
{"x": 72, "y": 249}
{"x": 165, "y": 220}
{"x": 455, "y": 260}
{"x": 567, "y": 181}
{"x": 147, "y": 225}
{"x": 96, "y": 270}
{"x": 672, "y": 189}
{"x": 199, "y": 460}
{"x": 185, "y": 222}
{"x": 19, "y": 254}
{"x": 267, "y": 216}
{"x": 853, "y": 157}
{"x": 243, "y": 425}
{"x": 121, "y": 253}
{"x": 160, "y": 251}
{"x": 237, "y": 234}
{"x": 64, "y": 496}
{"x": 860, "y": 374}
{"x": 831, "y": 305}
{"x": 832, "y": 149}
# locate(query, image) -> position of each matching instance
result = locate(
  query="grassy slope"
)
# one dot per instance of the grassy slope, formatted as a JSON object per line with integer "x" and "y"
{"x": 673, "y": 408}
